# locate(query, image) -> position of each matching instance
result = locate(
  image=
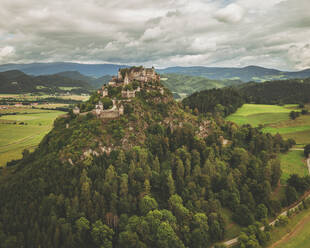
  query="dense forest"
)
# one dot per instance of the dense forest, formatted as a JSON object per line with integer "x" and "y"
{"x": 278, "y": 92}
{"x": 222, "y": 101}
{"x": 151, "y": 178}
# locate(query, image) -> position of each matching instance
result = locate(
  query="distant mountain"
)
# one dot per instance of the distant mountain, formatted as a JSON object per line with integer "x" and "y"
{"x": 15, "y": 81}
{"x": 93, "y": 70}
{"x": 246, "y": 74}
{"x": 94, "y": 82}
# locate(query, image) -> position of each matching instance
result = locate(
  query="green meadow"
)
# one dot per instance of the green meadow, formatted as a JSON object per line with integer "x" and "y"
{"x": 275, "y": 119}
{"x": 293, "y": 162}
{"x": 256, "y": 114}
{"x": 24, "y": 130}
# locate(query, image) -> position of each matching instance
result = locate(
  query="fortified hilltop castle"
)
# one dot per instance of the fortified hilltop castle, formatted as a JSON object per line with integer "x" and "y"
{"x": 131, "y": 80}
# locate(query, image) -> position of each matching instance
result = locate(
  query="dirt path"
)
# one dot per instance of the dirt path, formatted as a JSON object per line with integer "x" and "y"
{"x": 291, "y": 234}
{"x": 296, "y": 149}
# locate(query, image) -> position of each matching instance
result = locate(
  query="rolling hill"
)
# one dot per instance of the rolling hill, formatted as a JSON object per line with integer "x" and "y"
{"x": 183, "y": 85}
{"x": 93, "y": 70}
{"x": 16, "y": 82}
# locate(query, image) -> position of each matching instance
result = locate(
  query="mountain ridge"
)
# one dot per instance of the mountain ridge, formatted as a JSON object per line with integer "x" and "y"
{"x": 245, "y": 74}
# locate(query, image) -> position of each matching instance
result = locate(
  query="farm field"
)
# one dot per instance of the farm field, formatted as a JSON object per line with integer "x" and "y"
{"x": 32, "y": 97}
{"x": 24, "y": 130}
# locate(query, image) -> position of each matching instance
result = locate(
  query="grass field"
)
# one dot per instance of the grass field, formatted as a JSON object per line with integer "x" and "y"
{"x": 14, "y": 138}
{"x": 31, "y": 97}
{"x": 68, "y": 88}
{"x": 256, "y": 114}
{"x": 293, "y": 162}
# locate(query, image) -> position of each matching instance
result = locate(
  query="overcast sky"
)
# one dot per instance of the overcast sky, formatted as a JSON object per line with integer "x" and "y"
{"x": 270, "y": 33}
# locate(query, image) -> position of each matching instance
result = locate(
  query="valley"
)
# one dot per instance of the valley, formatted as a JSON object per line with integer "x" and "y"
{"x": 28, "y": 118}
{"x": 23, "y": 130}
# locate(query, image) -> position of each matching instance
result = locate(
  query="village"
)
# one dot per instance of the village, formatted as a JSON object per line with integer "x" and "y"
{"x": 131, "y": 81}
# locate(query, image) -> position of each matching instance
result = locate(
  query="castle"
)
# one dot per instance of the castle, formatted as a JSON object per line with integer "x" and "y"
{"x": 140, "y": 74}
{"x": 114, "y": 112}
{"x": 131, "y": 80}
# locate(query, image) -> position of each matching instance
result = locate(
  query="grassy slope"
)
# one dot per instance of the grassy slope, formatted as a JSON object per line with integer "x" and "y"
{"x": 256, "y": 114}
{"x": 301, "y": 238}
{"x": 14, "y": 138}
{"x": 292, "y": 162}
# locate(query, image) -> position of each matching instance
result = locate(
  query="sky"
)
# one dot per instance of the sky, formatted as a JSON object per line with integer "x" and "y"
{"x": 161, "y": 33}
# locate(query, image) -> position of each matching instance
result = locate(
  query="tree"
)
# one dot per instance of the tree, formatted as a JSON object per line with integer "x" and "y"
{"x": 307, "y": 150}
{"x": 170, "y": 184}
{"x": 243, "y": 215}
{"x": 129, "y": 239}
{"x": 294, "y": 115}
{"x": 166, "y": 237}
{"x": 102, "y": 235}
{"x": 200, "y": 235}
{"x": 291, "y": 194}
{"x": 146, "y": 204}
{"x": 261, "y": 212}
{"x": 304, "y": 111}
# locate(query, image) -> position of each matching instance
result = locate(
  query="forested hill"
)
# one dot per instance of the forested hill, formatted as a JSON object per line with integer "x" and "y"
{"x": 18, "y": 82}
{"x": 227, "y": 100}
{"x": 181, "y": 84}
{"x": 275, "y": 92}
{"x": 221, "y": 101}
{"x": 157, "y": 176}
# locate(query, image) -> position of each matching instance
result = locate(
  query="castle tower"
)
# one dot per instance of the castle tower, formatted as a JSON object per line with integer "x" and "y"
{"x": 119, "y": 75}
{"x": 105, "y": 92}
{"x": 126, "y": 79}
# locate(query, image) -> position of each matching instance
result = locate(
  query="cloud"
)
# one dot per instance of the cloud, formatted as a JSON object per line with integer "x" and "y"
{"x": 232, "y": 13}
{"x": 162, "y": 32}
{"x": 6, "y": 52}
